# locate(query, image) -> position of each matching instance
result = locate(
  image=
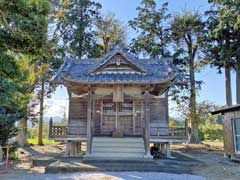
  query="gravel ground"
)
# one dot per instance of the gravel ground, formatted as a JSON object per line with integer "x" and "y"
{"x": 108, "y": 176}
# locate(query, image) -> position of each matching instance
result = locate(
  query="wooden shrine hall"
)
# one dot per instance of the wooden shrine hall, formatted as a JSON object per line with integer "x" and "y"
{"x": 118, "y": 106}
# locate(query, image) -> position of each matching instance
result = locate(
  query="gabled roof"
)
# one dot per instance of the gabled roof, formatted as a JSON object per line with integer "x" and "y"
{"x": 87, "y": 70}
{"x": 117, "y": 50}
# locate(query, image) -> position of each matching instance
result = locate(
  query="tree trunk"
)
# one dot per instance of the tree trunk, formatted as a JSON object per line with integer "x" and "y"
{"x": 40, "y": 124}
{"x": 106, "y": 45}
{"x": 192, "y": 105}
{"x": 21, "y": 138}
{"x": 238, "y": 85}
{"x": 228, "y": 85}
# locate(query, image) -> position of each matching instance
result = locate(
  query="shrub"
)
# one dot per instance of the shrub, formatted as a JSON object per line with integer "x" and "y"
{"x": 211, "y": 132}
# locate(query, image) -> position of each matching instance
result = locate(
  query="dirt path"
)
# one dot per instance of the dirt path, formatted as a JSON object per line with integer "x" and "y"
{"x": 108, "y": 176}
{"x": 216, "y": 166}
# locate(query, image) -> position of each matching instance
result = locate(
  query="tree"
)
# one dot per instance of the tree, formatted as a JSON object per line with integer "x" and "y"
{"x": 27, "y": 81}
{"x": 22, "y": 34}
{"x": 46, "y": 67}
{"x": 110, "y": 32}
{"x": 186, "y": 32}
{"x": 75, "y": 32}
{"x": 151, "y": 26}
{"x": 7, "y": 128}
{"x": 222, "y": 43}
{"x": 210, "y": 127}
{"x": 64, "y": 120}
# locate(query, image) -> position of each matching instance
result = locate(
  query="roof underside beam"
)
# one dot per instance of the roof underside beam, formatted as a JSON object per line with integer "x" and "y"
{"x": 154, "y": 89}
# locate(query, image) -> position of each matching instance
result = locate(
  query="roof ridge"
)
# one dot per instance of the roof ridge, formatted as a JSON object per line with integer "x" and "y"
{"x": 111, "y": 53}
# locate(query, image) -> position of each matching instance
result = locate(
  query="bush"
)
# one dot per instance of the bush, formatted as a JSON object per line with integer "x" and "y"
{"x": 211, "y": 132}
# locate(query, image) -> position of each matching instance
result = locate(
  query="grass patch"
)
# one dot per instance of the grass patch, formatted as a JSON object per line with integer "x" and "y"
{"x": 45, "y": 141}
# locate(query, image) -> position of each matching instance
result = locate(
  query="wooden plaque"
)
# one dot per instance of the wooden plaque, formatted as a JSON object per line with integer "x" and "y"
{"x": 118, "y": 95}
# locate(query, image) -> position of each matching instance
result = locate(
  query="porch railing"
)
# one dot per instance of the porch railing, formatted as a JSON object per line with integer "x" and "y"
{"x": 66, "y": 131}
{"x": 168, "y": 132}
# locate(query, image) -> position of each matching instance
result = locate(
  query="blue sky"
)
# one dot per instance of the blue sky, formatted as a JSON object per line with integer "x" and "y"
{"x": 213, "y": 88}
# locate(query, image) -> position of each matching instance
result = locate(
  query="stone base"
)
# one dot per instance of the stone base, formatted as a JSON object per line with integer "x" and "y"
{"x": 130, "y": 160}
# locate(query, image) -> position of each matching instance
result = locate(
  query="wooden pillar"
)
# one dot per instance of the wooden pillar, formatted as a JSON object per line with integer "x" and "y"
{"x": 93, "y": 117}
{"x": 134, "y": 118}
{"x": 89, "y": 119}
{"x": 147, "y": 123}
{"x": 159, "y": 147}
{"x": 168, "y": 152}
{"x": 116, "y": 117}
{"x": 50, "y": 127}
{"x": 101, "y": 118}
{"x": 68, "y": 149}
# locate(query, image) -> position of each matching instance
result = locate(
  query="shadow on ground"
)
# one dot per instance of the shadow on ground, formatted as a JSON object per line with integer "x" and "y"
{"x": 179, "y": 164}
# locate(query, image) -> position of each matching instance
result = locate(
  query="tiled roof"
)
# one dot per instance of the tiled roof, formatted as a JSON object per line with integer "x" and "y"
{"x": 82, "y": 70}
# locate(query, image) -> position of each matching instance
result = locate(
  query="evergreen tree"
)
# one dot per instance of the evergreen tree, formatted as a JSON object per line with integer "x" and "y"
{"x": 23, "y": 27}
{"x": 110, "y": 32}
{"x": 187, "y": 31}
{"x": 222, "y": 44}
{"x": 151, "y": 26}
{"x": 75, "y": 32}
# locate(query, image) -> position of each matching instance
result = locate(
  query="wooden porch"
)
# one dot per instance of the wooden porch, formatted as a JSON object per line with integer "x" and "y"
{"x": 67, "y": 133}
{"x": 146, "y": 117}
{"x": 158, "y": 134}
{"x": 168, "y": 134}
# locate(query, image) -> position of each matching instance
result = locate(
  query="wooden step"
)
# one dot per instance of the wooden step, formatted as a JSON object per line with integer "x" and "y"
{"x": 107, "y": 148}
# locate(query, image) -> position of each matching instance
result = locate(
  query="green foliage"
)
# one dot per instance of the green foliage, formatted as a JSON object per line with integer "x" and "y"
{"x": 151, "y": 26}
{"x": 222, "y": 45}
{"x": 207, "y": 123}
{"x": 110, "y": 32}
{"x": 23, "y": 37}
{"x": 45, "y": 141}
{"x": 210, "y": 127}
{"x": 24, "y": 25}
{"x": 187, "y": 31}
{"x": 176, "y": 123}
{"x": 32, "y": 133}
{"x": 75, "y": 26}
{"x": 211, "y": 132}
{"x": 7, "y": 128}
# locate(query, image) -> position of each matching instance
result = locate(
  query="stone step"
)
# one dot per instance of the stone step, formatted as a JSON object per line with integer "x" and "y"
{"x": 117, "y": 150}
{"x": 113, "y": 155}
{"x": 123, "y": 140}
{"x": 113, "y": 160}
{"x": 106, "y": 148}
{"x": 118, "y": 145}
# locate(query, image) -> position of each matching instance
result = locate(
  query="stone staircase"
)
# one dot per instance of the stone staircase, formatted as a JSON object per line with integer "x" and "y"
{"x": 120, "y": 149}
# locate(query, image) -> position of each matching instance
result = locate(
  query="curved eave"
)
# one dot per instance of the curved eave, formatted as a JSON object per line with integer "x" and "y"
{"x": 121, "y": 82}
{"x": 54, "y": 81}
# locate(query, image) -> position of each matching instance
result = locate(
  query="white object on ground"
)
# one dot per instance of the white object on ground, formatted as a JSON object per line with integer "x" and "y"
{"x": 1, "y": 154}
